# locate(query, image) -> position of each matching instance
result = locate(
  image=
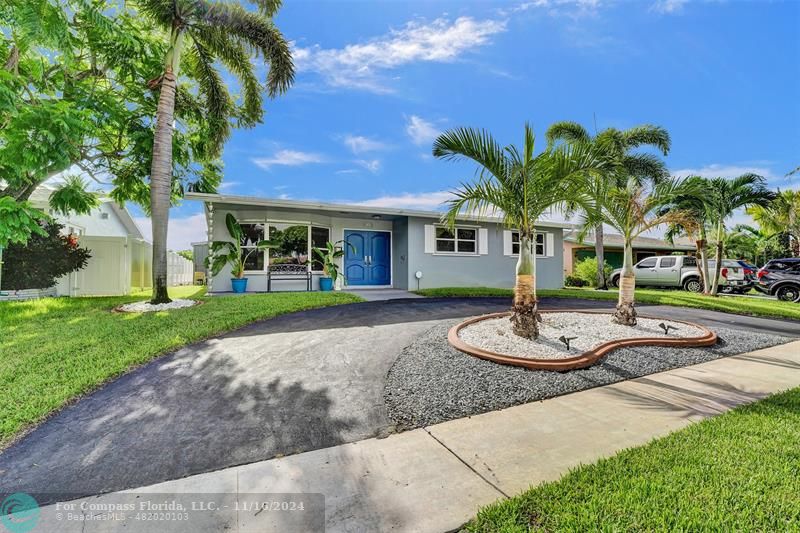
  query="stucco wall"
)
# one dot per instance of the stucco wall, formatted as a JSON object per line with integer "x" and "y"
{"x": 491, "y": 270}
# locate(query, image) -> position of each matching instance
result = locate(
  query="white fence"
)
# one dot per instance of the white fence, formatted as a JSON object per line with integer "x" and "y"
{"x": 119, "y": 264}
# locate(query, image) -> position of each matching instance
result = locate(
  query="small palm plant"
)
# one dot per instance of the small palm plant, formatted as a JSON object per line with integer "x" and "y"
{"x": 328, "y": 256}
{"x": 631, "y": 210}
{"x": 233, "y": 252}
{"x": 520, "y": 187}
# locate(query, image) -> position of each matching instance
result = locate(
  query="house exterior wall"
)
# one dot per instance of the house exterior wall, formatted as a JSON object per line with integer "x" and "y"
{"x": 493, "y": 269}
{"x": 257, "y": 280}
{"x": 94, "y": 224}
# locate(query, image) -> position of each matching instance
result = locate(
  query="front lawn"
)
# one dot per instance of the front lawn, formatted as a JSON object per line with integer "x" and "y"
{"x": 55, "y": 349}
{"x": 767, "y": 307}
{"x": 737, "y": 472}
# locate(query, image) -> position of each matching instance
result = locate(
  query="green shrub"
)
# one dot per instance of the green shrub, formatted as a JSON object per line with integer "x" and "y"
{"x": 44, "y": 259}
{"x": 574, "y": 281}
{"x": 587, "y": 271}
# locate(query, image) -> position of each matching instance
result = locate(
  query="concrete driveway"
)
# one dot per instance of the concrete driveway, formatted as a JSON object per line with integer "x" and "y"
{"x": 298, "y": 382}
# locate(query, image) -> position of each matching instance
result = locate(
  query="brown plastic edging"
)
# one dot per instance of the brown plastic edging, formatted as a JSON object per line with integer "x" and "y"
{"x": 583, "y": 360}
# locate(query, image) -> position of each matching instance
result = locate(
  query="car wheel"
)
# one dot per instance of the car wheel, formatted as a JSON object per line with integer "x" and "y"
{"x": 788, "y": 293}
{"x": 615, "y": 282}
{"x": 693, "y": 285}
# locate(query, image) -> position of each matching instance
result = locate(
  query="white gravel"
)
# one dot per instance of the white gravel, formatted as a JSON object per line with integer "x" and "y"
{"x": 589, "y": 329}
{"x": 147, "y": 307}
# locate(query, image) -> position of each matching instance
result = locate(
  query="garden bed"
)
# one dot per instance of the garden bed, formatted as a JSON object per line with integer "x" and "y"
{"x": 432, "y": 382}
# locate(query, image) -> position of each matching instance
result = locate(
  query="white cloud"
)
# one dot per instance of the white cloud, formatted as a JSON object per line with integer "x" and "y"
{"x": 182, "y": 231}
{"x": 358, "y": 66}
{"x": 725, "y": 171}
{"x": 420, "y": 130}
{"x": 359, "y": 144}
{"x": 668, "y": 6}
{"x": 425, "y": 200}
{"x": 373, "y": 165}
{"x": 289, "y": 158}
{"x": 228, "y": 185}
{"x": 347, "y": 171}
{"x": 571, "y": 8}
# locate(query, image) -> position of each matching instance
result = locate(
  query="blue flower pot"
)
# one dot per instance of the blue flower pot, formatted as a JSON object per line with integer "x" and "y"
{"x": 239, "y": 284}
{"x": 326, "y": 284}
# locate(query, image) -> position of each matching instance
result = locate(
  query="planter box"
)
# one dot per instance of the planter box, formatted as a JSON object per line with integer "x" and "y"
{"x": 27, "y": 294}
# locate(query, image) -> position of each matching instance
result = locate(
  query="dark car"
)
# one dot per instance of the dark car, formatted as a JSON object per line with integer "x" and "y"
{"x": 749, "y": 270}
{"x": 780, "y": 278}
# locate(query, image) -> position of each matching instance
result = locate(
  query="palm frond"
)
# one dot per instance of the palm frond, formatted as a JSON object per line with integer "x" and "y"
{"x": 647, "y": 135}
{"x": 475, "y": 145}
{"x": 566, "y": 131}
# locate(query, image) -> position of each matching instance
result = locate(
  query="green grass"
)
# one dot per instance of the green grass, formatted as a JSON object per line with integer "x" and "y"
{"x": 55, "y": 349}
{"x": 767, "y": 307}
{"x": 736, "y": 472}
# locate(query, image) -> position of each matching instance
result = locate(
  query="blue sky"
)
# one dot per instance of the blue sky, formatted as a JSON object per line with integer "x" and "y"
{"x": 378, "y": 80}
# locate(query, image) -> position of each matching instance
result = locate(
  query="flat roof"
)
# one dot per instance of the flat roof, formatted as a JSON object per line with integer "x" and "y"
{"x": 345, "y": 209}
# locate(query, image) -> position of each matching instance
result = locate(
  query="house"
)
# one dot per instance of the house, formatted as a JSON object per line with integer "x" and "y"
{"x": 388, "y": 247}
{"x": 575, "y": 251}
{"x": 121, "y": 256}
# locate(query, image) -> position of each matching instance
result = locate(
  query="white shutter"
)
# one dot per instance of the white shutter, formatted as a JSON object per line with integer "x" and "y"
{"x": 508, "y": 247}
{"x": 430, "y": 238}
{"x": 483, "y": 241}
{"x": 548, "y": 245}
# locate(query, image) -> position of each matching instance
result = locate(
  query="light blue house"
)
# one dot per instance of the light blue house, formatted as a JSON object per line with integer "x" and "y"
{"x": 390, "y": 247}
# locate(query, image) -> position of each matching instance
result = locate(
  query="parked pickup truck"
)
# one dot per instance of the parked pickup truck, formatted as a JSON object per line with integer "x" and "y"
{"x": 682, "y": 271}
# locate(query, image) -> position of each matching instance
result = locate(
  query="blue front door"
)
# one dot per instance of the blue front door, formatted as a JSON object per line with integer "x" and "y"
{"x": 368, "y": 260}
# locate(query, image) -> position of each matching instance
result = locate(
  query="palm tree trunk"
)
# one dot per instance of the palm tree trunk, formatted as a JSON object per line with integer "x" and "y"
{"x": 626, "y": 312}
{"x": 602, "y": 284}
{"x": 718, "y": 266}
{"x": 525, "y": 312}
{"x": 161, "y": 170}
{"x": 704, "y": 261}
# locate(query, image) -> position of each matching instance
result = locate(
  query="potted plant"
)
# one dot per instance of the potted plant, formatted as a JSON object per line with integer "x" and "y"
{"x": 231, "y": 253}
{"x": 328, "y": 257}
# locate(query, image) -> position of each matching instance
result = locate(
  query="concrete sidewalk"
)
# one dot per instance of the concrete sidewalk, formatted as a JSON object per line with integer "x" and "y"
{"x": 436, "y": 478}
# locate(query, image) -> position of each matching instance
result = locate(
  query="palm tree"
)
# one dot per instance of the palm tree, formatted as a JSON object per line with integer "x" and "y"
{"x": 689, "y": 215}
{"x": 520, "y": 187}
{"x": 725, "y": 197}
{"x": 782, "y": 215}
{"x": 206, "y": 34}
{"x": 617, "y": 145}
{"x": 759, "y": 239}
{"x": 631, "y": 210}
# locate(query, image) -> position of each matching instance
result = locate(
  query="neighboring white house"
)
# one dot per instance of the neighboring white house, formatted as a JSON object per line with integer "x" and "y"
{"x": 121, "y": 256}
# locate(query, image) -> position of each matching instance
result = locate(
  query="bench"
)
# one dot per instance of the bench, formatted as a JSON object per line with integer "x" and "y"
{"x": 285, "y": 272}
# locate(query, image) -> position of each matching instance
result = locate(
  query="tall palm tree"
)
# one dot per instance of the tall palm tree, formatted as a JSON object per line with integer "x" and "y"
{"x": 520, "y": 187}
{"x": 760, "y": 241}
{"x": 205, "y": 34}
{"x": 631, "y": 210}
{"x": 616, "y": 145}
{"x": 725, "y": 197}
{"x": 782, "y": 215}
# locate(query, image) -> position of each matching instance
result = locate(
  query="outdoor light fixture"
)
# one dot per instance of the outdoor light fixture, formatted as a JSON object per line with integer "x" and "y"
{"x": 376, "y": 217}
{"x": 418, "y": 275}
{"x": 566, "y": 340}
{"x": 666, "y": 328}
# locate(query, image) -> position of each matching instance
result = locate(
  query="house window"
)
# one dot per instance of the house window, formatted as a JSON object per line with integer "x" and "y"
{"x": 539, "y": 240}
{"x": 292, "y": 244}
{"x": 319, "y": 238}
{"x": 458, "y": 240}
{"x": 251, "y": 234}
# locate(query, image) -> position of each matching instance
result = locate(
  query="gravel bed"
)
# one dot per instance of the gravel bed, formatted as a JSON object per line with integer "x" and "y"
{"x": 431, "y": 382}
{"x": 586, "y": 331}
{"x": 147, "y": 307}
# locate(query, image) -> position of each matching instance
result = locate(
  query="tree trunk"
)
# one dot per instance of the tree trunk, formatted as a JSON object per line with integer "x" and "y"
{"x": 704, "y": 262}
{"x": 698, "y": 246}
{"x": 718, "y": 266}
{"x": 626, "y": 312}
{"x": 525, "y": 312}
{"x": 599, "y": 253}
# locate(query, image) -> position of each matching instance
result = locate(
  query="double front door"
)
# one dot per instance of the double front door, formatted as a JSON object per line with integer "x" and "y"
{"x": 367, "y": 260}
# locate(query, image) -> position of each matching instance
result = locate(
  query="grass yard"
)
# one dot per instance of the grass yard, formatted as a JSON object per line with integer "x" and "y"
{"x": 55, "y": 349}
{"x": 728, "y": 304}
{"x": 737, "y": 472}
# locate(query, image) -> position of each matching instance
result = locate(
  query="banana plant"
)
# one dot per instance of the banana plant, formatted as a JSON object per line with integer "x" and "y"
{"x": 232, "y": 252}
{"x": 328, "y": 256}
